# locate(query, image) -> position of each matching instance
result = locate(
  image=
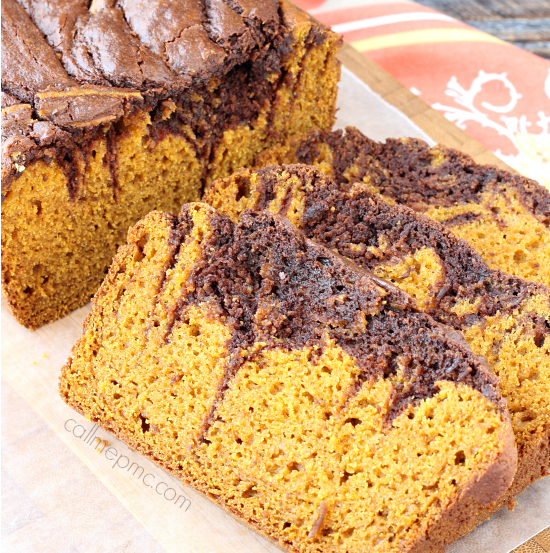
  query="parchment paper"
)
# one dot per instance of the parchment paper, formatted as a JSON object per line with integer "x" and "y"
{"x": 63, "y": 493}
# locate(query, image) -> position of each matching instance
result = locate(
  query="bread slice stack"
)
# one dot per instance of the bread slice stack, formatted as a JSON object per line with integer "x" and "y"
{"x": 504, "y": 318}
{"x": 347, "y": 353}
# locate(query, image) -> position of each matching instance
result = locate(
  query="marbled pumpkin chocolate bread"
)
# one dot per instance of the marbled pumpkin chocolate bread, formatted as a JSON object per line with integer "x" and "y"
{"x": 112, "y": 108}
{"x": 503, "y": 317}
{"x": 505, "y": 217}
{"x": 307, "y": 397}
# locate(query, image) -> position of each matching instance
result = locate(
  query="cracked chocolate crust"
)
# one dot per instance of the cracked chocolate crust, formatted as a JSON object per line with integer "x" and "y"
{"x": 274, "y": 287}
{"x": 330, "y": 212}
{"x": 160, "y": 44}
{"x": 403, "y": 169}
{"x": 71, "y": 69}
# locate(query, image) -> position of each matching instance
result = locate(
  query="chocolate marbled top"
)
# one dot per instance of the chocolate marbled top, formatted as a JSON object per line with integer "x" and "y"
{"x": 272, "y": 286}
{"x": 70, "y": 66}
{"x": 140, "y": 45}
{"x": 403, "y": 170}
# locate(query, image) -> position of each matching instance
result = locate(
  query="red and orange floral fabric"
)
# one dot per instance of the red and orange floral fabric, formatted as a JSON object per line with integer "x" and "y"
{"x": 494, "y": 91}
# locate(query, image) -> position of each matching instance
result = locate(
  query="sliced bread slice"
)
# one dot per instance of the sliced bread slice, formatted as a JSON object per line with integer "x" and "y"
{"x": 505, "y": 217}
{"x": 305, "y": 396}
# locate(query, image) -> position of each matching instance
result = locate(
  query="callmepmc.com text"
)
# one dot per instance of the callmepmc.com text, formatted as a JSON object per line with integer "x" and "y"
{"x": 121, "y": 462}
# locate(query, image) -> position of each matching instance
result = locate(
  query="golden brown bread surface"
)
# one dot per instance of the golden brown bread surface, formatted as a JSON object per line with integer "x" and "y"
{"x": 82, "y": 162}
{"x": 300, "y": 393}
{"x": 503, "y": 317}
{"x": 505, "y": 217}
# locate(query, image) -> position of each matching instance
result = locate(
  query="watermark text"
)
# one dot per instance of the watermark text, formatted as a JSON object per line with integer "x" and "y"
{"x": 122, "y": 462}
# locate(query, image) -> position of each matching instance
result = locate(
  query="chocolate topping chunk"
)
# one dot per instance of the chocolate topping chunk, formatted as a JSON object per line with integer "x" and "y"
{"x": 58, "y": 20}
{"x": 158, "y": 23}
{"x": 194, "y": 53}
{"x": 83, "y": 106}
{"x": 119, "y": 55}
{"x": 265, "y": 12}
{"x": 8, "y": 100}
{"x": 18, "y": 122}
{"x": 224, "y": 23}
{"x": 28, "y": 63}
{"x": 21, "y": 136}
{"x": 272, "y": 286}
{"x": 175, "y": 32}
{"x": 15, "y": 120}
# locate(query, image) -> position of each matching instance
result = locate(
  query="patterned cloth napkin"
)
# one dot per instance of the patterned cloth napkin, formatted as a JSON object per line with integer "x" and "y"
{"x": 496, "y": 92}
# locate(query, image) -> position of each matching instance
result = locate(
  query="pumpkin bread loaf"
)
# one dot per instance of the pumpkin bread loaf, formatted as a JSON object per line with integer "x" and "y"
{"x": 505, "y": 217}
{"x": 111, "y": 109}
{"x": 305, "y": 396}
{"x": 503, "y": 317}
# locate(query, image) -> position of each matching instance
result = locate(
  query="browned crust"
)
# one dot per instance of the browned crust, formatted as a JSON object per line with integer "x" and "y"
{"x": 5, "y": 303}
{"x": 464, "y": 512}
{"x": 533, "y": 463}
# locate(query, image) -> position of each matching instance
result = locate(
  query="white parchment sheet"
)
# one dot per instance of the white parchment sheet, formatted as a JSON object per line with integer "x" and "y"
{"x": 63, "y": 494}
